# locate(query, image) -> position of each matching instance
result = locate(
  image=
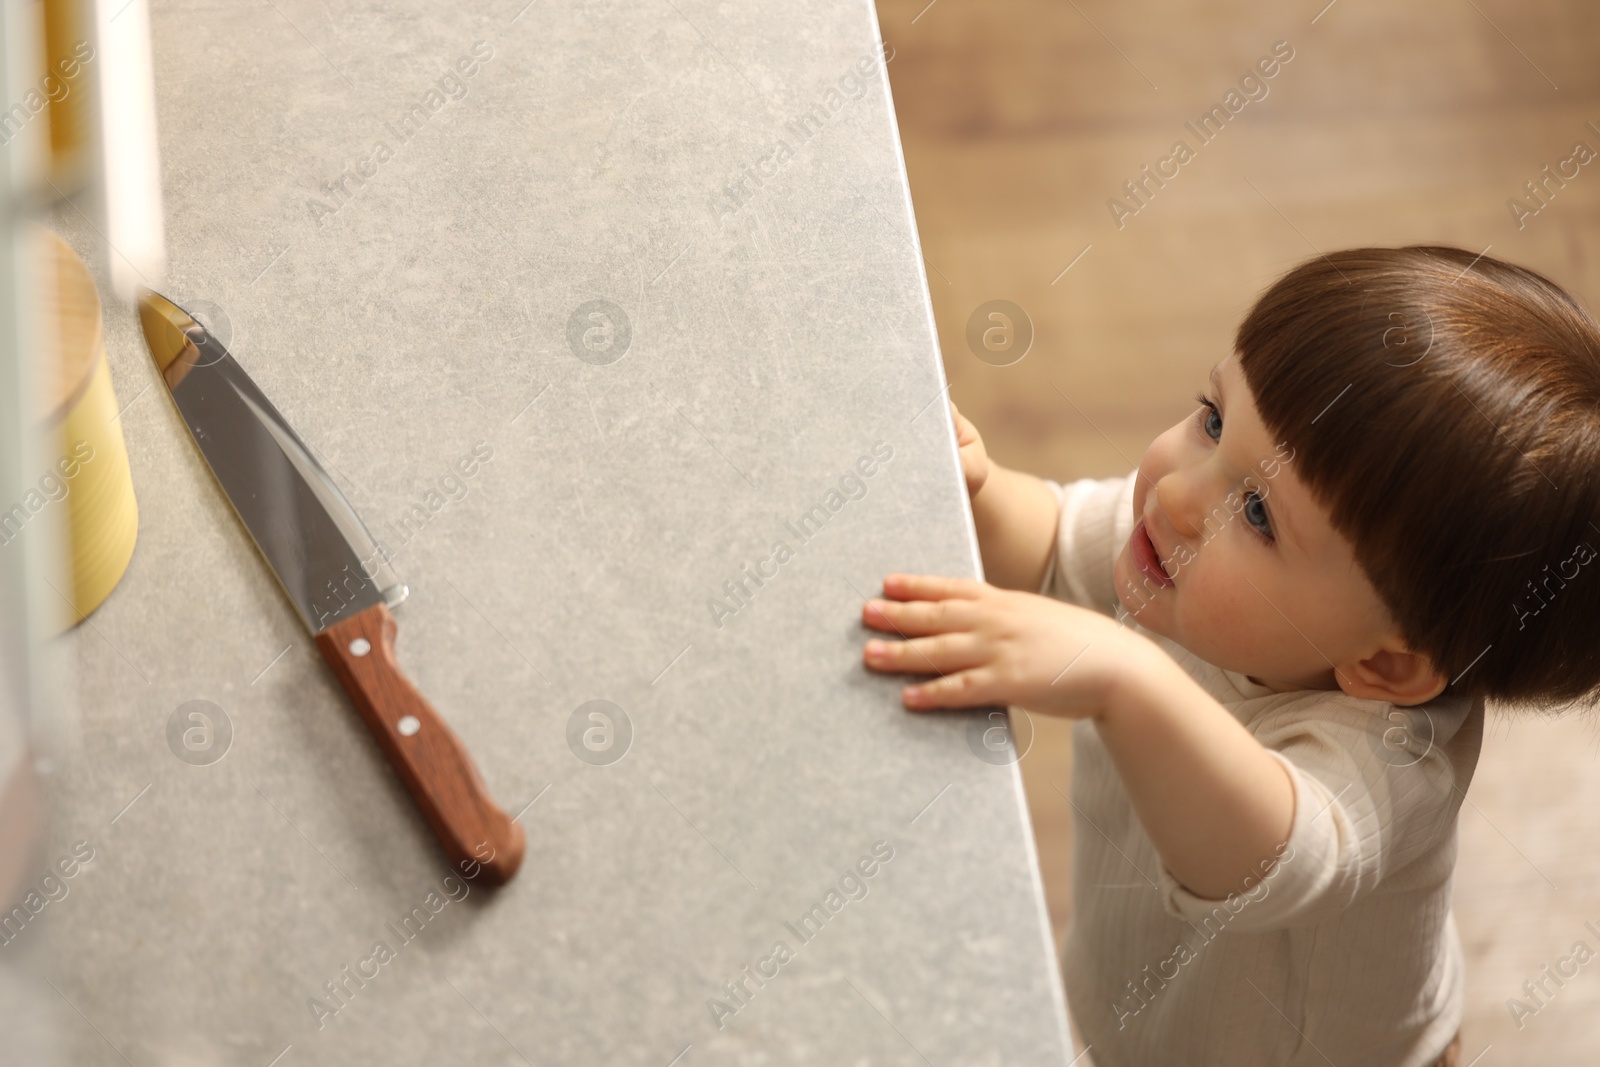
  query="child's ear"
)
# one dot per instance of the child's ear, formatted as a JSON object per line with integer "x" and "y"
{"x": 1393, "y": 673}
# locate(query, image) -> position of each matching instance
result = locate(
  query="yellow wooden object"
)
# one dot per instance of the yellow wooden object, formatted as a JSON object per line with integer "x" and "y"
{"x": 89, "y": 465}
{"x": 68, "y": 84}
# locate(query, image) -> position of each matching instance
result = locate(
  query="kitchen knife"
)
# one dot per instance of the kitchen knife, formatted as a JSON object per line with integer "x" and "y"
{"x": 335, "y": 575}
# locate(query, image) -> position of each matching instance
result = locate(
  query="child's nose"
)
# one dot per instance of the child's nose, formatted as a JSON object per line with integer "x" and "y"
{"x": 1185, "y": 498}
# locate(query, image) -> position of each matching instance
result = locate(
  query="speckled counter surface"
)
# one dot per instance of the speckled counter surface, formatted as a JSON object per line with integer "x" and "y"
{"x": 650, "y": 272}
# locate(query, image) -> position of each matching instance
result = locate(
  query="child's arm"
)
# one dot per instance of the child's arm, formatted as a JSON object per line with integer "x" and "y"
{"x": 1216, "y": 804}
{"x": 1015, "y": 514}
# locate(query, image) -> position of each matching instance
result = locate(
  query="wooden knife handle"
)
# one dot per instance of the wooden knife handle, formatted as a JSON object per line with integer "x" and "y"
{"x": 429, "y": 758}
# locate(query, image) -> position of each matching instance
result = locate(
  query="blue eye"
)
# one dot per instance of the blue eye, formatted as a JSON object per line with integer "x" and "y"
{"x": 1210, "y": 419}
{"x": 1255, "y": 514}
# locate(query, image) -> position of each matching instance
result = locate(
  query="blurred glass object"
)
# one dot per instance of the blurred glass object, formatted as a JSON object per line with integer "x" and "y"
{"x": 77, "y": 127}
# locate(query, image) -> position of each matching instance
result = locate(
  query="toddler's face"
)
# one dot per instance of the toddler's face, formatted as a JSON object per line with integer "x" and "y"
{"x": 1232, "y": 557}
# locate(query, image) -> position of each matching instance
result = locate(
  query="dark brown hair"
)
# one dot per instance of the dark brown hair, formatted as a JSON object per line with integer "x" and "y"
{"x": 1445, "y": 409}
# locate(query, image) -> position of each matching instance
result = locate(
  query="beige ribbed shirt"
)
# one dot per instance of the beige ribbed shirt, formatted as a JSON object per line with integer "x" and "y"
{"x": 1347, "y": 952}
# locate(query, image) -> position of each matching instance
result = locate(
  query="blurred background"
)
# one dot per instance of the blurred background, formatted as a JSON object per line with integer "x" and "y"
{"x": 1392, "y": 124}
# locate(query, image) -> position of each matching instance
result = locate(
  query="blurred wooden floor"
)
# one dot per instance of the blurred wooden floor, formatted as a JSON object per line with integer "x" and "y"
{"x": 1392, "y": 124}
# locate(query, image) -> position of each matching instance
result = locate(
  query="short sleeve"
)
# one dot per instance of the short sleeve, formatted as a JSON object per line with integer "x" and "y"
{"x": 1094, "y": 522}
{"x": 1363, "y": 809}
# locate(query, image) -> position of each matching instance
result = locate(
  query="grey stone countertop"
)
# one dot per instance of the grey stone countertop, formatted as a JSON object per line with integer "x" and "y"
{"x": 587, "y": 310}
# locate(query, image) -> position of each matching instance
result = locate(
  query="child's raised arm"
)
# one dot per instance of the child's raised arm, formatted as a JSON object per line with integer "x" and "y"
{"x": 1015, "y": 514}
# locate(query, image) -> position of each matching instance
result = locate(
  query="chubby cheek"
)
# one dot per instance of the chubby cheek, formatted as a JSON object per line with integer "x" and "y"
{"x": 1225, "y": 619}
{"x": 1215, "y": 606}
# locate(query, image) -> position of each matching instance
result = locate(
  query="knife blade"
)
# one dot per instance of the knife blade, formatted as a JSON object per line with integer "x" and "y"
{"x": 335, "y": 574}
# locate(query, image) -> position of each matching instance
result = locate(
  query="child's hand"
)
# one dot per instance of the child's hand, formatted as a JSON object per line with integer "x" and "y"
{"x": 1217, "y": 805}
{"x": 974, "y": 458}
{"x": 998, "y": 646}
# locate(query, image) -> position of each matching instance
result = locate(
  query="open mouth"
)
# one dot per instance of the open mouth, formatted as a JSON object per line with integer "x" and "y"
{"x": 1146, "y": 558}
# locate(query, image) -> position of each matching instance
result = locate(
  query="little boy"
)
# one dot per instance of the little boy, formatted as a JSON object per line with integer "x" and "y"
{"x": 1277, "y": 636}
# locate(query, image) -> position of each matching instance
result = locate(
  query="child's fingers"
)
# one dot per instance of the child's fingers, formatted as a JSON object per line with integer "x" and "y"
{"x": 963, "y": 438}
{"x": 966, "y": 433}
{"x": 918, "y": 618}
{"x": 939, "y": 654}
{"x": 965, "y": 689}
{"x": 929, "y": 587}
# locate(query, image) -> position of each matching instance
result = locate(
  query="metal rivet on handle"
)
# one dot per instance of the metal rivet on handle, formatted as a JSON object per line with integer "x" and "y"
{"x": 409, "y": 725}
{"x": 360, "y": 646}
